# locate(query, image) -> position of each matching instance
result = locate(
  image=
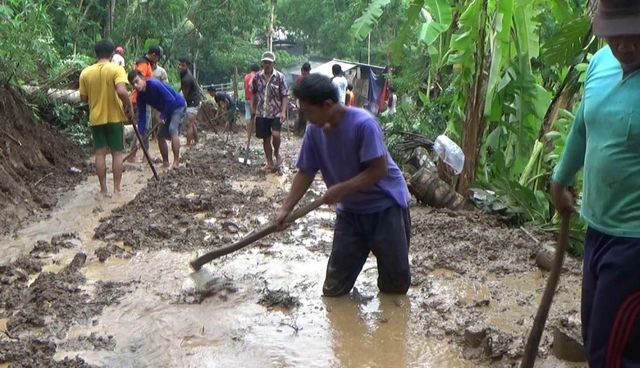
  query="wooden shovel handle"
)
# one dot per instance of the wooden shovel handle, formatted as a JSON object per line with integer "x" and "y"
{"x": 256, "y": 235}
{"x": 533, "y": 342}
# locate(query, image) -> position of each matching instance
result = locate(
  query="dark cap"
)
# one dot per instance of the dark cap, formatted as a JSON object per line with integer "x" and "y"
{"x": 617, "y": 18}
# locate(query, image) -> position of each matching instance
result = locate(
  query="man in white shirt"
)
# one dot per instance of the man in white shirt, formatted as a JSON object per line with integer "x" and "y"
{"x": 118, "y": 56}
{"x": 340, "y": 82}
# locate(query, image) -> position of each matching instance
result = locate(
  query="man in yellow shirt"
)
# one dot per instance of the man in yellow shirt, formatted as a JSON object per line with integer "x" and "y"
{"x": 103, "y": 86}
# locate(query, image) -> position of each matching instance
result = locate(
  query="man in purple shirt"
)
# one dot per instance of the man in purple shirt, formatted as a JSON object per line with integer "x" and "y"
{"x": 172, "y": 107}
{"x": 346, "y": 145}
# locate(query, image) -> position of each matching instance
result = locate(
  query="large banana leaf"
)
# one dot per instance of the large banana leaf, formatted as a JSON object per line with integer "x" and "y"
{"x": 363, "y": 25}
{"x": 566, "y": 43}
{"x": 439, "y": 19}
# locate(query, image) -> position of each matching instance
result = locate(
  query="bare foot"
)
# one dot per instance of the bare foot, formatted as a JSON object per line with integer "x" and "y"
{"x": 267, "y": 168}
{"x": 166, "y": 164}
{"x": 279, "y": 160}
{"x": 176, "y": 165}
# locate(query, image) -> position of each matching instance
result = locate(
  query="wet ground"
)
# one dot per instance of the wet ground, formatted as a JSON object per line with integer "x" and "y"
{"x": 135, "y": 302}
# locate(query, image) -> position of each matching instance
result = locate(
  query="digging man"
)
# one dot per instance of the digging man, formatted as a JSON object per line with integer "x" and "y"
{"x": 104, "y": 86}
{"x": 346, "y": 145}
{"x": 605, "y": 141}
{"x": 172, "y": 107}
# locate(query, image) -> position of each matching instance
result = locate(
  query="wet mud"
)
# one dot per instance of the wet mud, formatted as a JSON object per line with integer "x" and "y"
{"x": 474, "y": 292}
{"x": 39, "y": 307}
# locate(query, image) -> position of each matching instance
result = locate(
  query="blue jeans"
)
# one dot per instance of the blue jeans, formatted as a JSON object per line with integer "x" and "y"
{"x": 611, "y": 300}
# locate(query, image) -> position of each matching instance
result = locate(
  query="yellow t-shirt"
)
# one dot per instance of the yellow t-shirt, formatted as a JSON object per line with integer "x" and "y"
{"x": 98, "y": 83}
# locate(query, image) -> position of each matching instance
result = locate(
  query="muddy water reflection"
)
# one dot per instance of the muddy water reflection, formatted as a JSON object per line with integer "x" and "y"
{"x": 153, "y": 327}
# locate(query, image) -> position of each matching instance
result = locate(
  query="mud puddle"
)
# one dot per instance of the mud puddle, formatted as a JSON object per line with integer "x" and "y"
{"x": 474, "y": 282}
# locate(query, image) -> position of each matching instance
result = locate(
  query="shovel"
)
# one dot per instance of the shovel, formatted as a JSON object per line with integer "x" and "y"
{"x": 245, "y": 160}
{"x": 197, "y": 263}
{"x": 533, "y": 342}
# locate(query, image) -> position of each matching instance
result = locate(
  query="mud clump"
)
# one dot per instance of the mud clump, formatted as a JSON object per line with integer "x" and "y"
{"x": 33, "y": 352}
{"x": 278, "y": 298}
{"x": 111, "y": 249}
{"x": 218, "y": 287}
{"x": 64, "y": 240}
{"x": 42, "y": 312}
{"x": 91, "y": 342}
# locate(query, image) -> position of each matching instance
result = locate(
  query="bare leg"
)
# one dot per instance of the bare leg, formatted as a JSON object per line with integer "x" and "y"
{"x": 276, "y": 147}
{"x": 101, "y": 169}
{"x": 175, "y": 147}
{"x": 116, "y": 167}
{"x": 268, "y": 153}
{"x": 164, "y": 151}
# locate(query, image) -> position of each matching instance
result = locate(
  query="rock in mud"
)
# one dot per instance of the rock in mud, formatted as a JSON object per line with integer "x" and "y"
{"x": 566, "y": 344}
{"x": 280, "y": 298}
{"x": 474, "y": 336}
{"x": 544, "y": 257}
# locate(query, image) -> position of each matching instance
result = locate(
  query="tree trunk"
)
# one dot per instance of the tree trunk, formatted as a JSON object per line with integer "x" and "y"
{"x": 111, "y": 9}
{"x": 475, "y": 121}
{"x": 429, "y": 189}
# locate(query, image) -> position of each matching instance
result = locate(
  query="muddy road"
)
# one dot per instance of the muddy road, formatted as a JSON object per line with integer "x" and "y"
{"x": 105, "y": 281}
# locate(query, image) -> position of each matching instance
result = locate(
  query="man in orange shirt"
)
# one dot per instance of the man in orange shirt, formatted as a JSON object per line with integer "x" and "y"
{"x": 248, "y": 94}
{"x": 145, "y": 65}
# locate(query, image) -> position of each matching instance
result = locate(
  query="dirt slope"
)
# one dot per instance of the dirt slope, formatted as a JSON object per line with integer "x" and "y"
{"x": 34, "y": 162}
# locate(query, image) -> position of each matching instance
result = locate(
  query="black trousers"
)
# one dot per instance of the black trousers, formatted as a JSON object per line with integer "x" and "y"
{"x": 386, "y": 234}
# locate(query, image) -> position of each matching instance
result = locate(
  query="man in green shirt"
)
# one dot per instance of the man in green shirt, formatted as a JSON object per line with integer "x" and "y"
{"x": 605, "y": 141}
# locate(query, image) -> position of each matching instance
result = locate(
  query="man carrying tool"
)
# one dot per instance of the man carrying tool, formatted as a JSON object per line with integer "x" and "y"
{"x": 191, "y": 92}
{"x": 172, "y": 107}
{"x": 104, "y": 86}
{"x": 269, "y": 104}
{"x": 346, "y": 145}
{"x": 605, "y": 141}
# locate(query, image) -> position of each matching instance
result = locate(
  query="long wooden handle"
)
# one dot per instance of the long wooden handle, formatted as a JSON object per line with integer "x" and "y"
{"x": 146, "y": 153}
{"x": 533, "y": 342}
{"x": 256, "y": 235}
{"x": 146, "y": 136}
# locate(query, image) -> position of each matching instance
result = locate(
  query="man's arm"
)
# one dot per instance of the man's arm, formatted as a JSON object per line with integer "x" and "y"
{"x": 123, "y": 95}
{"x": 285, "y": 108}
{"x": 376, "y": 170}
{"x": 301, "y": 183}
{"x": 84, "y": 98}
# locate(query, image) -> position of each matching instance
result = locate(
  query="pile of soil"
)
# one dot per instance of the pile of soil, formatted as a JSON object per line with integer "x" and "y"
{"x": 35, "y": 162}
{"x": 177, "y": 212}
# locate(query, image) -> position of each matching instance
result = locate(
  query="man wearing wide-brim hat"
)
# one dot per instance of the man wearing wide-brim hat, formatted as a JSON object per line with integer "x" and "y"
{"x": 605, "y": 141}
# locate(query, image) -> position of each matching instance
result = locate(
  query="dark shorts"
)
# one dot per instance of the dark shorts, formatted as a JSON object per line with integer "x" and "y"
{"x": 171, "y": 127}
{"x": 611, "y": 300}
{"x": 386, "y": 234}
{"x": 265, "y": 126}
{"x": 108, "y": 135}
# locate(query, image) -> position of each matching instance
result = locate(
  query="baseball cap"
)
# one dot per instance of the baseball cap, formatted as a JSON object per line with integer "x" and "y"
{"x": 268, "y": 56}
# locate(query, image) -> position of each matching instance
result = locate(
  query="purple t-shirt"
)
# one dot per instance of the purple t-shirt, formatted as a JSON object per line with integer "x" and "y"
{"x": 342, "y": 154}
